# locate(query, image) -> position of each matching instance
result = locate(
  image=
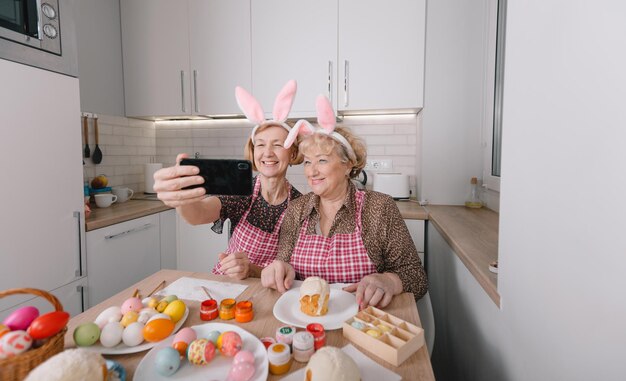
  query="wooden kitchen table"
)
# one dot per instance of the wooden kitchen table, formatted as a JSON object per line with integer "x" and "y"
{"x": 416, "y": 367}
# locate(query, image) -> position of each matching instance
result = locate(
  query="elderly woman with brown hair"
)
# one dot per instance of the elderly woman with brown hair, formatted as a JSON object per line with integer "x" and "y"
{"x": 340, "y": 233}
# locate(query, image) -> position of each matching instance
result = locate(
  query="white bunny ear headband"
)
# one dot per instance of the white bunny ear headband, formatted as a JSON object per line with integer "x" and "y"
{"x": 253, "y": 111}
{"x": 327, "y": 122}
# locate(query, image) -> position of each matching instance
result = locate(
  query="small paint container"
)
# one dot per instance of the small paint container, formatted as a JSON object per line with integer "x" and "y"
{"x": 303, "y": 346}
{"x": 227, "y": 309}
{"x": 208, "y": 310}
{"x": 319, "y": 335}
{"x": 279, "y": 357}
{"x": 267, "y": 341}
{"x": 244, "y": 311}
{"x": 284, "y": 334}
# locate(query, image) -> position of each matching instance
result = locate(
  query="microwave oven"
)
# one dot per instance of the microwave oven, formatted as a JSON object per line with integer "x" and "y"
{"x": 39, "y": 33}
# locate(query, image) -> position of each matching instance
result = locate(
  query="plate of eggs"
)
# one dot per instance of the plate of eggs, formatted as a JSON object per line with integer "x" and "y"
{"x": 134, "y": 326}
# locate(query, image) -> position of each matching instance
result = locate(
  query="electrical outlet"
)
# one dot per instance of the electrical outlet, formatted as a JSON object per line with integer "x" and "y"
{"x": 384, "y": 165}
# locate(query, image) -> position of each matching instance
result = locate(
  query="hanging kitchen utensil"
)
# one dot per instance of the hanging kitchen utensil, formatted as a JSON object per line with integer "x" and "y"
{"x": 97, "y": 154}
{"x": 86, "y": 152}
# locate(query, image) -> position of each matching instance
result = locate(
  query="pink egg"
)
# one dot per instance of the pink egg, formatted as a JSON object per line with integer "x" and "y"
{"x": 243, "y": 356}
{"x": 21, "y": 318}
{"x": 132, "y": 304}
{"x": 231, "y": 343}
{"x": 186, "y": 335}
{"x": 242, "y": 371}
{"x": 14, "y": 343}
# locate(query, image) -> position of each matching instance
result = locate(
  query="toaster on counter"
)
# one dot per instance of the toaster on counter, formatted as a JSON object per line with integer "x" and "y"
{"x": 394, "y": 184}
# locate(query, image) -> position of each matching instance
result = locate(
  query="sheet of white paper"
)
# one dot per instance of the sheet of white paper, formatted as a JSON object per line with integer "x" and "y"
{"x": 370, "y": 369}
{"x": 191, "y": 289}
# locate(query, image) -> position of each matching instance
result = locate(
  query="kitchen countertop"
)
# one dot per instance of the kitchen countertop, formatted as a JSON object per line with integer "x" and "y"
{"x": 116, "y": 213}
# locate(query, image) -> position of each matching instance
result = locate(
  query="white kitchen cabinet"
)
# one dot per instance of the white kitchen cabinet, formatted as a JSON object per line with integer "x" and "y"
{"x": 122, "y": 254}
{"x": 381, "y": 54}
{"x": 417, "y": 231}
{"x": 294, "y": 39}
{"x": 184, "y": 58}
{"x": 362, "y": 54}
{"x": 167, "y": 229}
{"x": 198, "y": 246}
{"x": 72, "y": 296}
{"x": 41, "y": 229}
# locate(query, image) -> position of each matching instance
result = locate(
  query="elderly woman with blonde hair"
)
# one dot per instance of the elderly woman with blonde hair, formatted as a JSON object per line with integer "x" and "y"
{"x": 338, "y": 232}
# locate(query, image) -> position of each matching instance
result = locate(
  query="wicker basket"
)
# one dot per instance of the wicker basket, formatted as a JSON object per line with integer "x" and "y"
{"x": 16, "y": 368}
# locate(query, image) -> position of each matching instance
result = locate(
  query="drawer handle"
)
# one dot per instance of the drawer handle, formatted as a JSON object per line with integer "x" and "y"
{"x": 182, "y": 90}
{"x": 133, "y": 230}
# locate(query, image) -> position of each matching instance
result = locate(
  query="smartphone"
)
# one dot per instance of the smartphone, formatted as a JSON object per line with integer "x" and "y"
{"x": 223, "y": 176}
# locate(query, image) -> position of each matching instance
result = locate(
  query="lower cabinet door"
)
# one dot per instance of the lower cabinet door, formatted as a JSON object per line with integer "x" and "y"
{"x": 416, "y": 229}
{"x": 72, "y": 296}
{"x": 120, "y": 255}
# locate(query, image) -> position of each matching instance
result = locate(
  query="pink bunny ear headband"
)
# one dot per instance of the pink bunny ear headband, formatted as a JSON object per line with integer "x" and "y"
{"x": 253, "y": 111}
{"x": 327, "y": 122}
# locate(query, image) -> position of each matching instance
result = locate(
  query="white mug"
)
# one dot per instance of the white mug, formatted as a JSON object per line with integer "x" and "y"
{"x": 105, "y": 200}
{"x": 123, "y": 194}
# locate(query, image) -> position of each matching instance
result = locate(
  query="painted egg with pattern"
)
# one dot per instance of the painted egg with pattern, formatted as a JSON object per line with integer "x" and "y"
{"x": 14, "y": 343}
{"x": 20, "y": 319}
{"x": 200, "y": 352}
{"x": 229, "y": 343}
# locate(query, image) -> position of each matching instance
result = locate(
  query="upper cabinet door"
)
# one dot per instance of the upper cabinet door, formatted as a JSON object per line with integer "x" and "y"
{"x": 294, "y": 39}
{"x": 219, "y": 35}
{"x": 155, "y": 47}
{"x": 381, "y": 54}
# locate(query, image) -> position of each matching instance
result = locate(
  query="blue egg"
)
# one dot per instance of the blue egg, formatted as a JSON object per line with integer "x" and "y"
{"x": 167, "y": 361}
{"x": 358, "y": 325}
{"x": 212, "y": 336}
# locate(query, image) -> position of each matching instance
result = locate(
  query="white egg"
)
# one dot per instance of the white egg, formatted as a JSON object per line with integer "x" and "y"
{"x": 133, "y": 334}
{"x": 159, "y": 316}
{"x": 111, "y": 334}
{"x": 146, "y": 314}
{"x": 111, "y": 314}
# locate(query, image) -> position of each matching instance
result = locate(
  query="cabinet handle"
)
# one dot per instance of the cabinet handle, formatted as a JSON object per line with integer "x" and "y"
{"x": 330, "y": 81}
{"x": 195, "y": 89}
{"x": 81, "y": 290}
{"x": 133, "y": 230}
{"x": 182, "y": 89}
{"x": 346, "y": 77}
{"x": 79, "y": 272}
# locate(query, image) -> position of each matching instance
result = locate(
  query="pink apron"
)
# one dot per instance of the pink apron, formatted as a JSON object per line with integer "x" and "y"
{"x": 260, "y": 246}
{"x": 340, "y": 258}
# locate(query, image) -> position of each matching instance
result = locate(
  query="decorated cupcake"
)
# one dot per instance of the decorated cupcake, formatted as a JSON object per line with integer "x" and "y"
{"x": 314, "y": 295}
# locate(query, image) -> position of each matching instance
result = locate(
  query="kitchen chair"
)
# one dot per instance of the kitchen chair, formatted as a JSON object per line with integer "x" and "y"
{"x": 427, "y": 317}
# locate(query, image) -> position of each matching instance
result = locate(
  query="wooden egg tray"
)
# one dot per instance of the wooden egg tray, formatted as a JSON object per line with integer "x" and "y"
{"x": 401, "y": 340}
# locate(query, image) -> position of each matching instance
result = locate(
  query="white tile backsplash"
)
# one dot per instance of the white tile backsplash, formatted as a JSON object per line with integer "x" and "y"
{"x": 129, "y": 143}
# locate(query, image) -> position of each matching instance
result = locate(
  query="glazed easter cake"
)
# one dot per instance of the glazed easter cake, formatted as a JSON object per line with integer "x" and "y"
{"x": 314, "y": 295}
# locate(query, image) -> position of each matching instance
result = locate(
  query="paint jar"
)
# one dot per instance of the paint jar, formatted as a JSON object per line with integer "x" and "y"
{"x": 208, "y": 310}
{"x": 279, "y": 357}
{"x": 284, "y": 334}
{"x": 267, "y": 341}
{"x": 244, "y": 312}
{"x": 227, "y": 309}
{"x": 303, "y": 347}
{"x": 319, "y": 335}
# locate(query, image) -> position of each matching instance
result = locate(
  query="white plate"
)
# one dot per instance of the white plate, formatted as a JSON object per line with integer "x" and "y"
{"x": 217, "y": 369}
{"x": 122, "y": 348}
{"x": 341, "y": 307}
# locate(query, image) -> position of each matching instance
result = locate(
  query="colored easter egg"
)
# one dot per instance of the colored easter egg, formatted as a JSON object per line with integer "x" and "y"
{"x": 159, "y": 316}
{"x": 186, "y": 335}
{"x": 145, "y": 314}
{"x": 14, "y": 343}
{"x": 20, "y": 319}
{"x": 176, "y": 310}
{"x": 242, "y": 371}
{"x": 243, "y": 356}
{"x": 131, "y": 304}
{"x": 181, "y": 347}
{"x": 167, "y": 361}
{"x": 200, "y": 352}
{"x": 157, "y": 330}
{"x": 86, "y": 334}
{"x": 129, "y": 317}
{"x": 4, "y": 330}
{"x": 213, "y": 336}
{"x": 48, "y": 325}
{"x": 229, "y": 343}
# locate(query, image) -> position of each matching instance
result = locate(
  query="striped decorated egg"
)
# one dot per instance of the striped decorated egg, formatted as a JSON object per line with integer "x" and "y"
{"x": 14, "y": 343}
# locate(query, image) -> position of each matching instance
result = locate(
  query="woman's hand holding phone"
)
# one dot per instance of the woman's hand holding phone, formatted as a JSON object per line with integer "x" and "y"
{"x": 169, "y": 183}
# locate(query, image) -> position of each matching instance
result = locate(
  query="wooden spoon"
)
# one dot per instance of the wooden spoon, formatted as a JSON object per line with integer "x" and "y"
{"x": 97, "y": 154}
{"x": 86, "y": 152}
